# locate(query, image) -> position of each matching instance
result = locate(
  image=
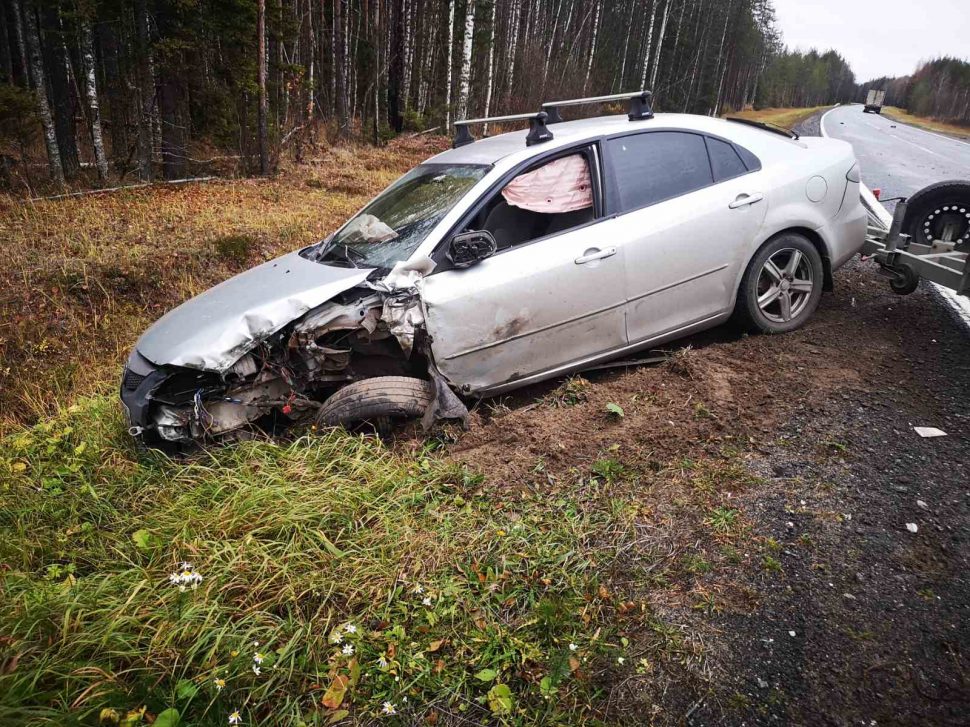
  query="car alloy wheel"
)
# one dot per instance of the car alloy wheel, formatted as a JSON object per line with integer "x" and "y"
{"x": 785, "y": 285}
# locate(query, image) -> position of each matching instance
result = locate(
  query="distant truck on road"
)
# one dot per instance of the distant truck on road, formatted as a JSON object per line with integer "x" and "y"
{"x": 874, "y": 101}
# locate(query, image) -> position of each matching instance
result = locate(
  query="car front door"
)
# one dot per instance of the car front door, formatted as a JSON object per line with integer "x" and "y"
{"x": 537, "y": 306}
{"x": 686, "y": 218}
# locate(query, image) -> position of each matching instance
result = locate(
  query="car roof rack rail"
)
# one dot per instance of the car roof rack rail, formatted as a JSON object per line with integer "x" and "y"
{"x": 639, "y": 108}
{"x": 538, "y": 132}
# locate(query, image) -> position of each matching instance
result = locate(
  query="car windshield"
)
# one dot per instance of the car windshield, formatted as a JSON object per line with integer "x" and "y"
{"x": 392, "y": 226}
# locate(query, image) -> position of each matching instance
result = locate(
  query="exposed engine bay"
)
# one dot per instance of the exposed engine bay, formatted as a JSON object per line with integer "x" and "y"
{"x": 370, "y": 330}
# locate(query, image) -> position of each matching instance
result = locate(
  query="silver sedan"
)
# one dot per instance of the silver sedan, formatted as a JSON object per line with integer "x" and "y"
{"x": 503, "y": 262}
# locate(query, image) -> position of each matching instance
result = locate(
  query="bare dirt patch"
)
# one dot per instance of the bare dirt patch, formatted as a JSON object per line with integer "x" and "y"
{"x": 819, "y": 422}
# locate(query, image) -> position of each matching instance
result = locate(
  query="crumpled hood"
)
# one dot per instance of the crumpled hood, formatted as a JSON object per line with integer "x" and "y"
{"x": 212, "y": 330}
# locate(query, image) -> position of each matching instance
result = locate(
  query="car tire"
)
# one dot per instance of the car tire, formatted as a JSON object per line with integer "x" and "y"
{"x": 782, "y": 285}
{"x": 934, "y": 208}
{"x": 377, "y": 400}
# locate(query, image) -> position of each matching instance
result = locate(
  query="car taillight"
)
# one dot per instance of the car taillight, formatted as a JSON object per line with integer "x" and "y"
{"x": 876, "y": 192}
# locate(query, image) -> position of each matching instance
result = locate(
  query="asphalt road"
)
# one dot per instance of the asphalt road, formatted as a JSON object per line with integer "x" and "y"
{"x": 896, "y": 158}
{"x": 899, "y": 160}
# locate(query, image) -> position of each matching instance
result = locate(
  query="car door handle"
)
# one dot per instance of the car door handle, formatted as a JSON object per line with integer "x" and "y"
{"x": 595, "y": 254}
{"x": 743, "y": 200}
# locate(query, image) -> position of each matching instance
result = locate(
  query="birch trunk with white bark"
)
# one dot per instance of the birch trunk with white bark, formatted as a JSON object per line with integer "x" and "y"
{"x": 592, "y": 48}
{"x": 626, "y": 47}
{"x": 466, "y": 61}
{"x": 660, "y": 44}
{"x": 36, "y": 65}
{"x": 646, "y": 55}
{"x": 262, "y": 130}
{"x": 450, "y": 61}
{"x": 491, "y": 63}
{"x": 94, "y": 108}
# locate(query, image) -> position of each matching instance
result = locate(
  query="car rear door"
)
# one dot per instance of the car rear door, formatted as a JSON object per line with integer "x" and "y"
{"x": 688, "y": 208}
{"x": 535, "y": 307}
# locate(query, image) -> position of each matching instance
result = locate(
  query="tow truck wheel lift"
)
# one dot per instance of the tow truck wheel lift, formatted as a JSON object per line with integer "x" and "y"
{"x": 942, "y": 256}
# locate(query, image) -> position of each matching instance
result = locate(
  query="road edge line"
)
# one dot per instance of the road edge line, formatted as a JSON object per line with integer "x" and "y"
{"x": 821, "y": 121}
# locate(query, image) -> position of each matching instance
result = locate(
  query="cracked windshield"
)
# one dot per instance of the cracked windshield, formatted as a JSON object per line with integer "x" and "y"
{"x": 391, "y": 227}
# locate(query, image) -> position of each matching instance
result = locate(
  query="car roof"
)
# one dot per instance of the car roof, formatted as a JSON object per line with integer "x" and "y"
{"x": 493, "y": 149}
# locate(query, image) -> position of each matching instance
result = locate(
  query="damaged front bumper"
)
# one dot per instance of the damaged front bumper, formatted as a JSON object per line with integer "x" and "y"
{"x": 286, "y": 370}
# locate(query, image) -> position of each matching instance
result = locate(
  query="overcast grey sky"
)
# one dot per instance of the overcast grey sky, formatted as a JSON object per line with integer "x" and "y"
{"x": 878, "y": 37}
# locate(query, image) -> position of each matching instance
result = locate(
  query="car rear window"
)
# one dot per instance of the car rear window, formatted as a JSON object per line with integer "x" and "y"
{"x": 724, "y": 160}
{"x": 654, "y": 166}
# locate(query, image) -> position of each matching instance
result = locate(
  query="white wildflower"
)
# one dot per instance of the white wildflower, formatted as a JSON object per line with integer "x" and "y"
{"x": 350, "y": 629}
{"x": 220, "y": 683}
{"x": 573, "y": 647}
{"x": 388, "y": 709}
{"x": 256, "y": 670}
{"x": 620, "y": 660}
{"x": 235, "y": 718}
{"x": 336, "y": 638}
{"x": 258, "y": 658}
{"x": 426, "y": 600}
{"x": 348, "y": 650}
{"x": 382, "y": 662}
{"x": 186, "y": 577}
{"x": 418, "y": 589}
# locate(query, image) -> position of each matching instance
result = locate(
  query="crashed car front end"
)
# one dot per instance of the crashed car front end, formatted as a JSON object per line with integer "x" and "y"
{"x": 283, "y": 373}
{"x": 269, "y": 346}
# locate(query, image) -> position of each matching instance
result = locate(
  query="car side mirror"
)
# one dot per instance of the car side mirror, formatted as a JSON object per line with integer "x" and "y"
{"x": 468, "y": 248}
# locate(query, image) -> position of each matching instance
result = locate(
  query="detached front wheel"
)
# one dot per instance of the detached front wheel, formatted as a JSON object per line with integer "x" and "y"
{"x": 380, "y": 401}
{"x": 782, "y": 286}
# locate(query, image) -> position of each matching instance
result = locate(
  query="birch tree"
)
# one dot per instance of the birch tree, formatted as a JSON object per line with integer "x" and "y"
{"x": 262, "y": 102}
{"x": 646, "y": 53}
{"x": 450, "y": 62}
{"x": 466, "y": 60}
{"x": 626, "y": 46}
{"x": 94, "y": 108}
{"x": 491, "y": 63}
{"x": 592, "y": 47}
{"x": 36, "y": 64}
{"x": 660, "y": 44}
{"x": 146, "y": 90}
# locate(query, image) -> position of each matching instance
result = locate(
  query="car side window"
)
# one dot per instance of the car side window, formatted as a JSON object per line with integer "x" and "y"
{"x": 724, "y": 160}
{"x": 658, "y": 165}
{"x": 547, "y": 199}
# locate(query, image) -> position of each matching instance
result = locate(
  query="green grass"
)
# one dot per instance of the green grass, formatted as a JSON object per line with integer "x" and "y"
{"x": 924, "y": 122}
{"x": 295, "y": 542}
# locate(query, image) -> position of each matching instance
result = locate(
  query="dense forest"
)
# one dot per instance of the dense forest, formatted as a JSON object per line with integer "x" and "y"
{"x": 150, "y": 89}
{"x": 939, "y": 88}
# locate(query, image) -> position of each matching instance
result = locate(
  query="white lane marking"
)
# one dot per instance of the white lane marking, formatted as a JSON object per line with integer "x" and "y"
{"x": 920, "y": 146}
{"x": 931, "y": 133}
{"x": 959, "y": 303}
{"x": 821, "y": 123}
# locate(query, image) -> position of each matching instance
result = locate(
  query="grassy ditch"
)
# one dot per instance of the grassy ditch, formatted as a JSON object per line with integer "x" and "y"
{"x": 342, "y": 581}
{"x": 924, "y": 122}
{"x": 85, "y": 275}
{"x": 347, "y": 577}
